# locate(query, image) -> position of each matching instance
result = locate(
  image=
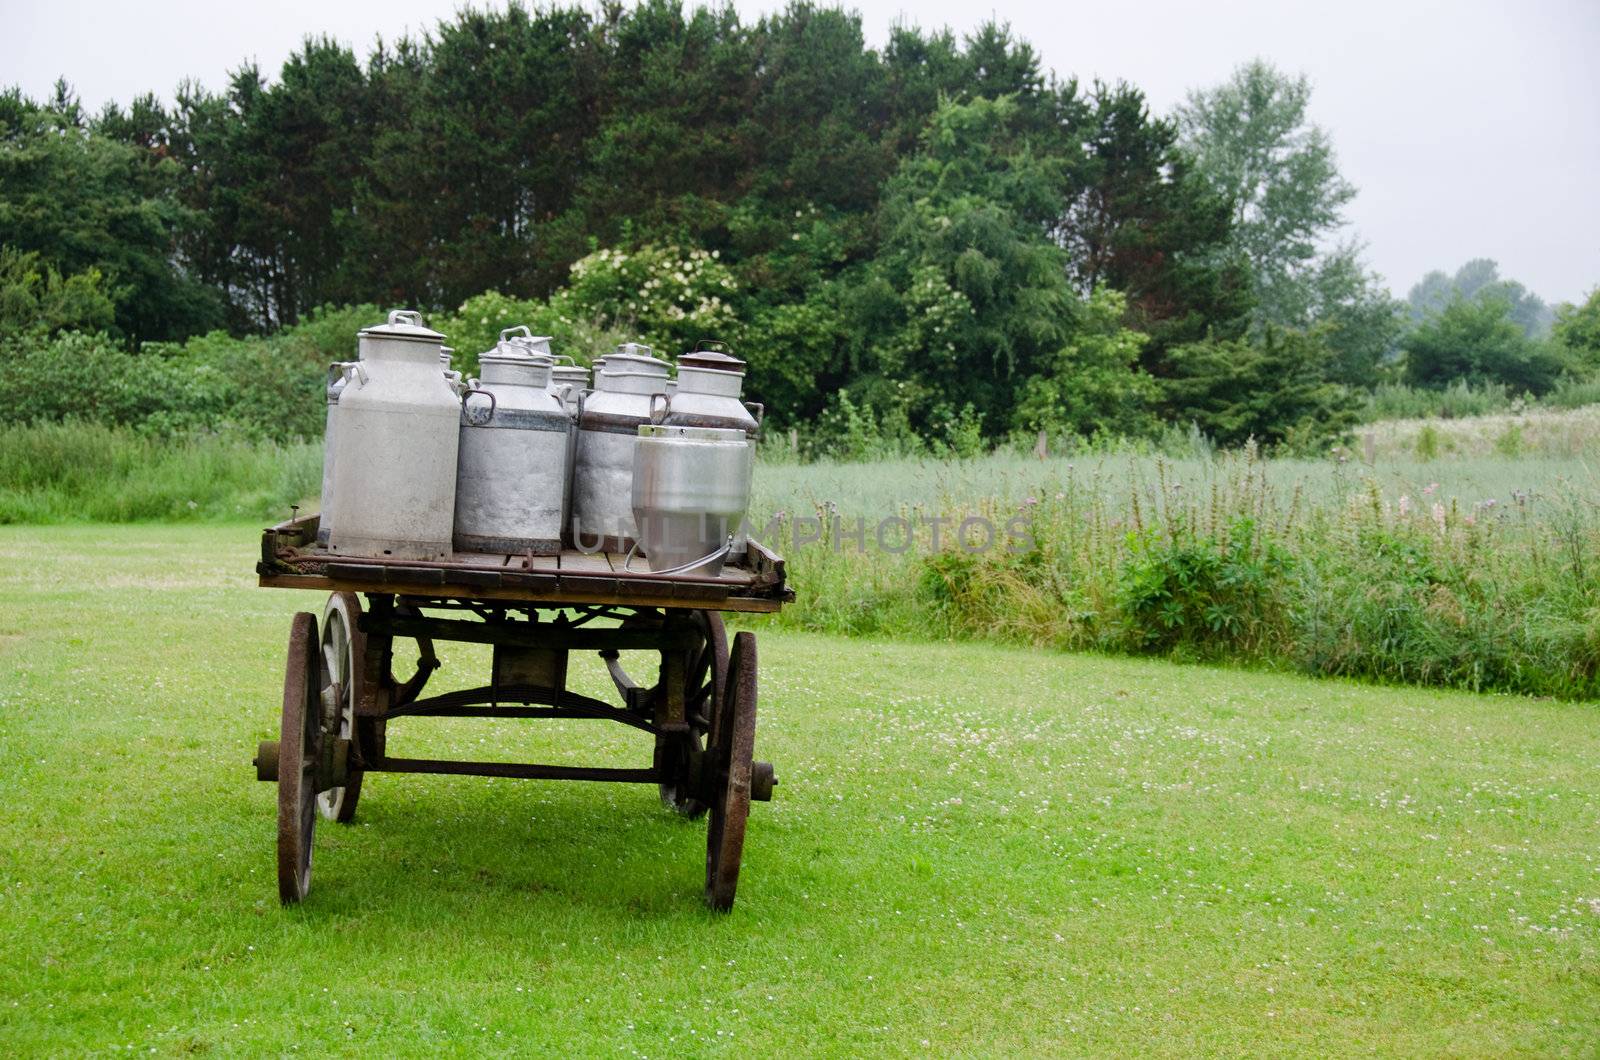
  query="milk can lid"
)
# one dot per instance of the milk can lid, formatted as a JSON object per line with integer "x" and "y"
{"x": 404, "y": 324}
{"x": 634, "y": 357}
{"x": 706, "y": 355}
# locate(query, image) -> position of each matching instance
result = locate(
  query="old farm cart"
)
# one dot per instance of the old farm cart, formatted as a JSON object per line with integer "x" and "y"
{"x": 340, "y": 695}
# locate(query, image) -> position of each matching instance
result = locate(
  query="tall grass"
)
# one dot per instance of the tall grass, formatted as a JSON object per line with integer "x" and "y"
{"x": 83, "y": 472}
{"x": 1345, "y": 571}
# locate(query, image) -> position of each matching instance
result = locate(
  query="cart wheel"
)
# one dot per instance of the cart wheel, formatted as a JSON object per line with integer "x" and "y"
{"x": 298, "y": 750}
{"x": 344, "y": 650}
{"x": 732, "y": 750}
{"x": 683, "y": 757}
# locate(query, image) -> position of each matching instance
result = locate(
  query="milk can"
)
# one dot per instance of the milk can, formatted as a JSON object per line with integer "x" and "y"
{"x": 338, "y": 376}
{"x": 511, "y": 469}
{"x": 710, "y": 383}
{"x": 570, "y": 379}
{"x": 398, "y": 422}
{"x": 608, "y": 424}
{"x": 453, "y": 377}
{"x": 691, "y": 487}
{"x": 708, "y": 394}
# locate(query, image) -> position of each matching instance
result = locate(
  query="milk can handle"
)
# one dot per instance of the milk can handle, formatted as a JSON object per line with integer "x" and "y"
{"x": 666, "y": 408}
{"x": 627, "y": 563}
{"x": 758, "y": 410}
{"x": 711, "y": 344}
{"x": 467, "y": 412}
{"x": 358, "y": 371}
{"x": 512, "y": 331}
{"x": 405, "y": 316}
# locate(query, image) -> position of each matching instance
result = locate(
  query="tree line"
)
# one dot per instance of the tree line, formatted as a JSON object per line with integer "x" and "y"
{"x": 939, "y": 234}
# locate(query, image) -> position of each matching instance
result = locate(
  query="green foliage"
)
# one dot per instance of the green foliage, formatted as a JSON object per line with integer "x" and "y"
{"x": 108, "y": 212}
{"x": 1399, "y": 401}
{"x": 1138, "y": 217}
{"x": 1477, "y": 341}
{"x": 1216, "y": 596}
{"x": 1251, "y": 137}
{"x": 1479, "y": 280}
{"x": 1577, "y": 328}
{"x": 34, "y": 297}
{"x": 1271, "y": 390}
{"x": 1093, "y": 384}
{"x": 983, "y": 297}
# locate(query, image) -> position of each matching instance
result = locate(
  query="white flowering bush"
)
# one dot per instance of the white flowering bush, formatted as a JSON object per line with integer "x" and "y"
{"x": 666, "y": 296}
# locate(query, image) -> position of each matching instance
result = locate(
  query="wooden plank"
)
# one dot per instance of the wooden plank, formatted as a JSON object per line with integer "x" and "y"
{"x": 553, "y": 598}
{"x": 584, "y": 562}
{"x": 477, "y": 560}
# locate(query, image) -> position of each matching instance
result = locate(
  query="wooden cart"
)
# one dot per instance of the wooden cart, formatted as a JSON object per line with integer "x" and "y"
{"x": 340, "y": 695}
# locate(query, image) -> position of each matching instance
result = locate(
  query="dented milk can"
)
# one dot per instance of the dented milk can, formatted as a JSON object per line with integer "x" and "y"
{"x": 608, "y": 425}
{"x": 398, "y": 422}
{"x": 512, "y": 461}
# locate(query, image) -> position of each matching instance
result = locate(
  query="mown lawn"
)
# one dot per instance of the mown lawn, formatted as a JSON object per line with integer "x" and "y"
{"x": 973, "y": 850}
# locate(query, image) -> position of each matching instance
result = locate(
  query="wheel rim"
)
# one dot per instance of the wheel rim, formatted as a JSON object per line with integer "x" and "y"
{"x": 683, "y": 756}
{"x": 731, "y": 760}
{"x": 298, "y": 749}
{"x": 343, "y": 660}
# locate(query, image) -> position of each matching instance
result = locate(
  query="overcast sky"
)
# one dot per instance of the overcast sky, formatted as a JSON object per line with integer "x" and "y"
{"x": 1471, "y": 128}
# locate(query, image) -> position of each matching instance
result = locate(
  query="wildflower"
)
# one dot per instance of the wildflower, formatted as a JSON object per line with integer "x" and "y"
{"x": 1405, "y": 506}
{"x": 1427, "y": 491}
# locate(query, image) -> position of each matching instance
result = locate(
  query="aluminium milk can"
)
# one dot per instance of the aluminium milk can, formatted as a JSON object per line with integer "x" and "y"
{"x": 338, "y": 376}
{"x": 608, "y": 425}
{"x": 394, "y": 482}
{"x": 710, "y": 383}
{"x": 691, "y": 487}
{"x": 512, "y": 461}
{"x": 446, "y": 355}
{"x": 570, "y": 379}
{"x": 708, "y": 394}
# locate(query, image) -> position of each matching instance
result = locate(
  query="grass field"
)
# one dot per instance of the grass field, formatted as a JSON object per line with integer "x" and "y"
{"x": 973, "y": 850}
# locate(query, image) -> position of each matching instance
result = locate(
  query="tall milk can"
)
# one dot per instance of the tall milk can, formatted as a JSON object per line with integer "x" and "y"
{"x": 511, "y": 469}
{"x": 608, "y": 425}
{"x": 394, "y": 483}
{"x": 708, "y": 395}
{"x": 691, "y": 487}
{"x": 338, "y": 376}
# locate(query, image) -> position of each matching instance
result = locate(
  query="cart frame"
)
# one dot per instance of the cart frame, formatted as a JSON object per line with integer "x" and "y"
{"x": 340, "y": 691}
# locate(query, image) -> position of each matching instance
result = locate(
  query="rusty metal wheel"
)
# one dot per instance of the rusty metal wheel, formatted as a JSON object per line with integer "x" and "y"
{"x": 344, "y": 651}
{"x": 299, "y": 747}
{"x": 730, "y": 761}
{"x": 684, "y": 757}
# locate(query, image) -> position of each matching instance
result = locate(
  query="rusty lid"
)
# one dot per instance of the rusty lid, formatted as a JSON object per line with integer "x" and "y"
{"x": 716, "y": 360}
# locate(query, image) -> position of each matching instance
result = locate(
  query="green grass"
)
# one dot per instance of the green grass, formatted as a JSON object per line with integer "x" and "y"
{"x": 78, "y": 472}
{"x": 973, "y": 850}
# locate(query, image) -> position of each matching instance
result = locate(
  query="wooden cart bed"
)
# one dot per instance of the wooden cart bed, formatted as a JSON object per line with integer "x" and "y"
{"x": 290, "y": 559}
